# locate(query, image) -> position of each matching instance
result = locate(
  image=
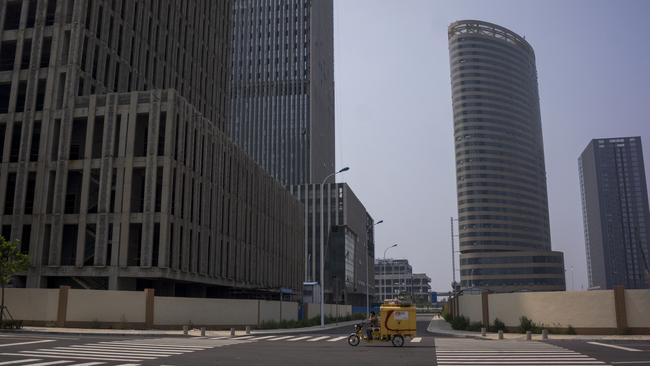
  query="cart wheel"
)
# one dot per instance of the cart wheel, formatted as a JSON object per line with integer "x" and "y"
{"x": 398, "y": 341}
{"x": 353, "y": 340}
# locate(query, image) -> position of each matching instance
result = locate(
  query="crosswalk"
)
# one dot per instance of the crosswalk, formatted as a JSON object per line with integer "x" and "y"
{"x": 457, "y": 352}
{"x": 118, "y": 353}
{"x": 300, "y": 337}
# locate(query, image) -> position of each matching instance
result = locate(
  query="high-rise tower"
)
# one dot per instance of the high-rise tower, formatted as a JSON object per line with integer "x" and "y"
{"x": 115, "y": 171}
{"x": 615, "y": 213}
{"x": 282, "y": 102}
{"x": 505, "y": 239}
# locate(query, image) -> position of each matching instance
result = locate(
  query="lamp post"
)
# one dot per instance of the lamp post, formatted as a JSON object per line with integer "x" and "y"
{"x": 322, "y": 246}
{"x": 367, "y": 260}
{"x": 384, "y": 274}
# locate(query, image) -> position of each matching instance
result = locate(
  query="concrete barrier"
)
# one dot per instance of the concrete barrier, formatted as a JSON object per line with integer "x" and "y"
{"x": 616, "y": 311}
{"x": 143, "y": 310}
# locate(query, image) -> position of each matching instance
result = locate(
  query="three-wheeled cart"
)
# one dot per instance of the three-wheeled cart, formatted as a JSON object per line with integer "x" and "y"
{"x": 396, "y": 321}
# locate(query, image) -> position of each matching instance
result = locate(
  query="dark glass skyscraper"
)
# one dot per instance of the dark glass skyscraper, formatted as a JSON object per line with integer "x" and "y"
{"x": 505, "y": 239}
{"x": 615, "y": 213}
{"x": 282, "y": 101}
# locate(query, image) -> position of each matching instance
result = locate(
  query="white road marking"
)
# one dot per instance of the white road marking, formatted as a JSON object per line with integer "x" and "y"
{"x": 336, "y": 339}
{"x": 260, "y": 338}
{"x": 298, "y": 338}
{"x": 244, "y": 337}
{"x": 49, "y": 363}
{"x": 19, "y": 361}
{"x": 125, "y": 349}
{"x": 226, "y": 338}
{"x": 27, "y": 353}
{"x": 280, "y": 338}
{"x": 111, "y": 352}
{"x": 317, "y": 339}
{"x": 157, "y": 345}
{"x": 88, "y": 364}
{"x": 507, "y": 353}
{"x": 21, "y": 343}
{"x": 615, "y": 346}
{"x": 96, "y": 354}
{"x": 416, "y": 340}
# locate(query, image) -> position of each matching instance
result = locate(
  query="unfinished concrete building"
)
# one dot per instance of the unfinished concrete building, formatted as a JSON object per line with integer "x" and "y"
{"x": 115, "y": 173}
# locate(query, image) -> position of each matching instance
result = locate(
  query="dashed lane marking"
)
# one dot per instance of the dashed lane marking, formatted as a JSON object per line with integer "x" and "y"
{"x": 416, "y": 340}
{"x": 280, "y": 338}
{"x": 23, "y": 343}
{"x": 298, "y": 338}
{"x": 14, "y": 362}
{"x": 336, "y": 339}
{"x": 317, "y": 339}
{"x": 615, "y": 346}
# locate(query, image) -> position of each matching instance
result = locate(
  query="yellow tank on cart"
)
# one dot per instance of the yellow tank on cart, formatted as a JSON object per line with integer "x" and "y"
{"x": 397, "y": 319}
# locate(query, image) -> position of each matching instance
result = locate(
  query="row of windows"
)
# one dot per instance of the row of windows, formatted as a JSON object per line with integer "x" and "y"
{"x": 465, "y": 95}
{"x": 14, "y": 8}
{"x": 540, "y": 185}
{"x": 512, "y": 260}
{"x": 511, "y": 271}
{"x": 535, "y": 222}
{"x": 470, "y": 245}
{"x": 503, "y": 234}
{"x": 8, "y": 54}
{"x": 514, "y": 282}
{"x": 473, "y": 193}
{"x": 482, "y": 209}
{"x": 496, "y": 47}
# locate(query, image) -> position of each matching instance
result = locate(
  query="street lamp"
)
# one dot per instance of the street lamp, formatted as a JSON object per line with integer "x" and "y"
{"x": 322, "y": 246}
{"x": 367, "y": 277}
{"x": 384, "y": 274}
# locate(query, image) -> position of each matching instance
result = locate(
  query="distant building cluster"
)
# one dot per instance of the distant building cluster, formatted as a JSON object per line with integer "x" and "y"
{"x": 394, "y": 278}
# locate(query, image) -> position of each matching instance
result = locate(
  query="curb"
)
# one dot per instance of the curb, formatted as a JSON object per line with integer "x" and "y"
{"x": 306, "y": 329}
{"x": 179, "y": 333}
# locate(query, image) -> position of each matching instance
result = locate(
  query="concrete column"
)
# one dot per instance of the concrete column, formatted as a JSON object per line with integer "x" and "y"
{"x": 486, "y": 310}
{"x": 621, "y": 312}
{"x": 149, "y": 307}
{"x": 63, "y": 306}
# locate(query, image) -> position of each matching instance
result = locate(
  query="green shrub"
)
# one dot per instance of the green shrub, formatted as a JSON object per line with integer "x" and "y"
{"x": 497, "y": 326}
{"x": 459, "y": 323}
{"x": 474, "y": 326}
{"x": 526, "y": 325}
{"x": 571, "y": 330}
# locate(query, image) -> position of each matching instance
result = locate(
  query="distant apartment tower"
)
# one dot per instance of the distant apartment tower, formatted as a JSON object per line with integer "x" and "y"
{"x": 282, "y": 102}
{"x": 115, "y": 170}
{"x": 395, "y": 277}
{"x": 505, "y": 240}
{"x": 615, "y": 213}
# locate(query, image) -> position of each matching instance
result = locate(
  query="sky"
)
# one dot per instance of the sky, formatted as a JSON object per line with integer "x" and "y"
{"x": 394, "y": 125}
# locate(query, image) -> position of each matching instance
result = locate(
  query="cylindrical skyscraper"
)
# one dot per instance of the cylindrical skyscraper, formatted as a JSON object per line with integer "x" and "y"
{"x": 505, "y": 240}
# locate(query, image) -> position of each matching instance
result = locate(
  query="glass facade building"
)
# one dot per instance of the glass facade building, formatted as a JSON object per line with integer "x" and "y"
{"x": 500, "y": 171}
{"x": 282, "y": 78}
{"x": 615, "y": 213}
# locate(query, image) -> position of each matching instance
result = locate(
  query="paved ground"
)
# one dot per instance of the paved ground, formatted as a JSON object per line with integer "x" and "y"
{"x": 326, "y": 348}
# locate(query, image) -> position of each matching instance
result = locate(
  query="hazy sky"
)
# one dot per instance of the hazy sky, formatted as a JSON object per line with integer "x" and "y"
{"x": 394, "y": 115}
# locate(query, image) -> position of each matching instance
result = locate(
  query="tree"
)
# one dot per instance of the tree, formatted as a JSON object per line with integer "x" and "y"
{"x": 12, "y": 261}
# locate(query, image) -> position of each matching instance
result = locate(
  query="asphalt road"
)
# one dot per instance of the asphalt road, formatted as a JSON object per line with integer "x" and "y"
{"x": 327, "y": 347}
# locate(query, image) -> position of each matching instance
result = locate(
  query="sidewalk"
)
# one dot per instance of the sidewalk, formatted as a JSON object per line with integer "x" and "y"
{"x": 440, "y": 326}
{"x": 173, "y": 333}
